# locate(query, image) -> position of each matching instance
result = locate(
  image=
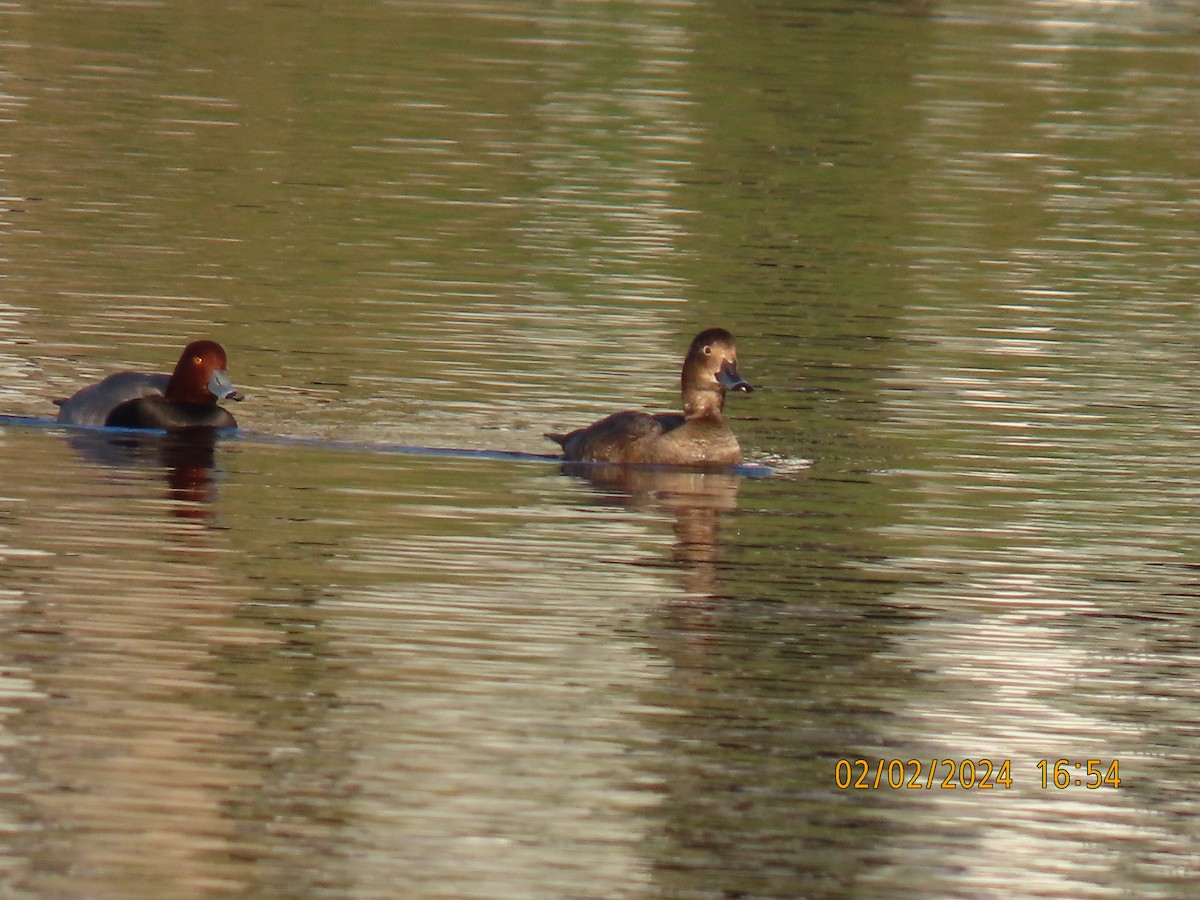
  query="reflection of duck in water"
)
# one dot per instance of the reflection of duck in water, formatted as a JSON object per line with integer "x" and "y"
{"x": 696, "y": 501}
{"x": 698, "y": 436}
{"x": 186, "y": 457}
{"x": 186, "y": 399}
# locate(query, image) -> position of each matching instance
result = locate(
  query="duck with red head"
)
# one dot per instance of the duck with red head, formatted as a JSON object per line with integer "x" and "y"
{"x": 697, "y": 437}
{"x": 185, "y": 399}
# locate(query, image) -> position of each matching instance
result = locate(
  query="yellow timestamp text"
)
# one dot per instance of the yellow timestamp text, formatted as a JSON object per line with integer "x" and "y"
{"x": 1091, "y": 773}
{"x": 970, "y": 774}
{"x": 919, "y": 774}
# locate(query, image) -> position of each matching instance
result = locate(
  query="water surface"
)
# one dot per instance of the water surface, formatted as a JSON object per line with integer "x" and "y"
{"x": 955, "y": 243}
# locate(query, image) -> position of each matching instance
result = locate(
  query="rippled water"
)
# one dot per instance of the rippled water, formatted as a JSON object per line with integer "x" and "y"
{"x": 956, "y": 243}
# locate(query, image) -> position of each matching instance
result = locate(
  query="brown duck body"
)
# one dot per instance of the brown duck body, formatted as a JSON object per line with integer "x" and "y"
{"x": 664, "y": 439}
{"x": 696, "y": 437}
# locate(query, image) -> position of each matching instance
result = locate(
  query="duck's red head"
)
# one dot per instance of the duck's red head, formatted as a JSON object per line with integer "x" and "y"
{"x": 201, "y": 376}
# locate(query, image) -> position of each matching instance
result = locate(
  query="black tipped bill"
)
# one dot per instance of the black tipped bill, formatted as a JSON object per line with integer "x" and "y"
{"x": 731, "y": 379}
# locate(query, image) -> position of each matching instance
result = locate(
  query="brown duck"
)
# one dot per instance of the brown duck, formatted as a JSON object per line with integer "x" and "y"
{"x": 697, "y": 437}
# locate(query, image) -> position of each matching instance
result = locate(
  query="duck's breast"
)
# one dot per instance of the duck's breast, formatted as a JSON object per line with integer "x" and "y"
{"x": 696, "y": 442}
{"x": 157, "y": 412}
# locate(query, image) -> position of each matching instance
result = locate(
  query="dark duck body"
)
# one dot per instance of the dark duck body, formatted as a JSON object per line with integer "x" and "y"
{"x": 185, "y": 399}
{"x": 696, "y": 437}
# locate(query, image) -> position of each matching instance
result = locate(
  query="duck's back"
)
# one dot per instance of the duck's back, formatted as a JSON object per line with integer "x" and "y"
{"x": 93, "y": 404}
{"x": 620, "y": 438}
{"x": 667, "y": 439}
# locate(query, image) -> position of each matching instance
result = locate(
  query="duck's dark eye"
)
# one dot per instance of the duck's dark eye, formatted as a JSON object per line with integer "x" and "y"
{"x": 707, "y": 350}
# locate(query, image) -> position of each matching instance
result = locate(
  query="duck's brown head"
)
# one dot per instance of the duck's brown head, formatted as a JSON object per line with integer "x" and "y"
{"x": 201, "y": 376}
{"x": 709, "y": 370}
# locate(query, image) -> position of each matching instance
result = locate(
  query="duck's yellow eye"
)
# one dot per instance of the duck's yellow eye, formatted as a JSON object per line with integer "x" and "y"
{"x": 198, "y": 360}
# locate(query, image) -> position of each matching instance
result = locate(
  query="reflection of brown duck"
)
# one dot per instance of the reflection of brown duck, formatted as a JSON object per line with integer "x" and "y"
{"x": 187, "y": 399}
{"x": 698, "y": 436}
{"x": 696, "y": 500}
